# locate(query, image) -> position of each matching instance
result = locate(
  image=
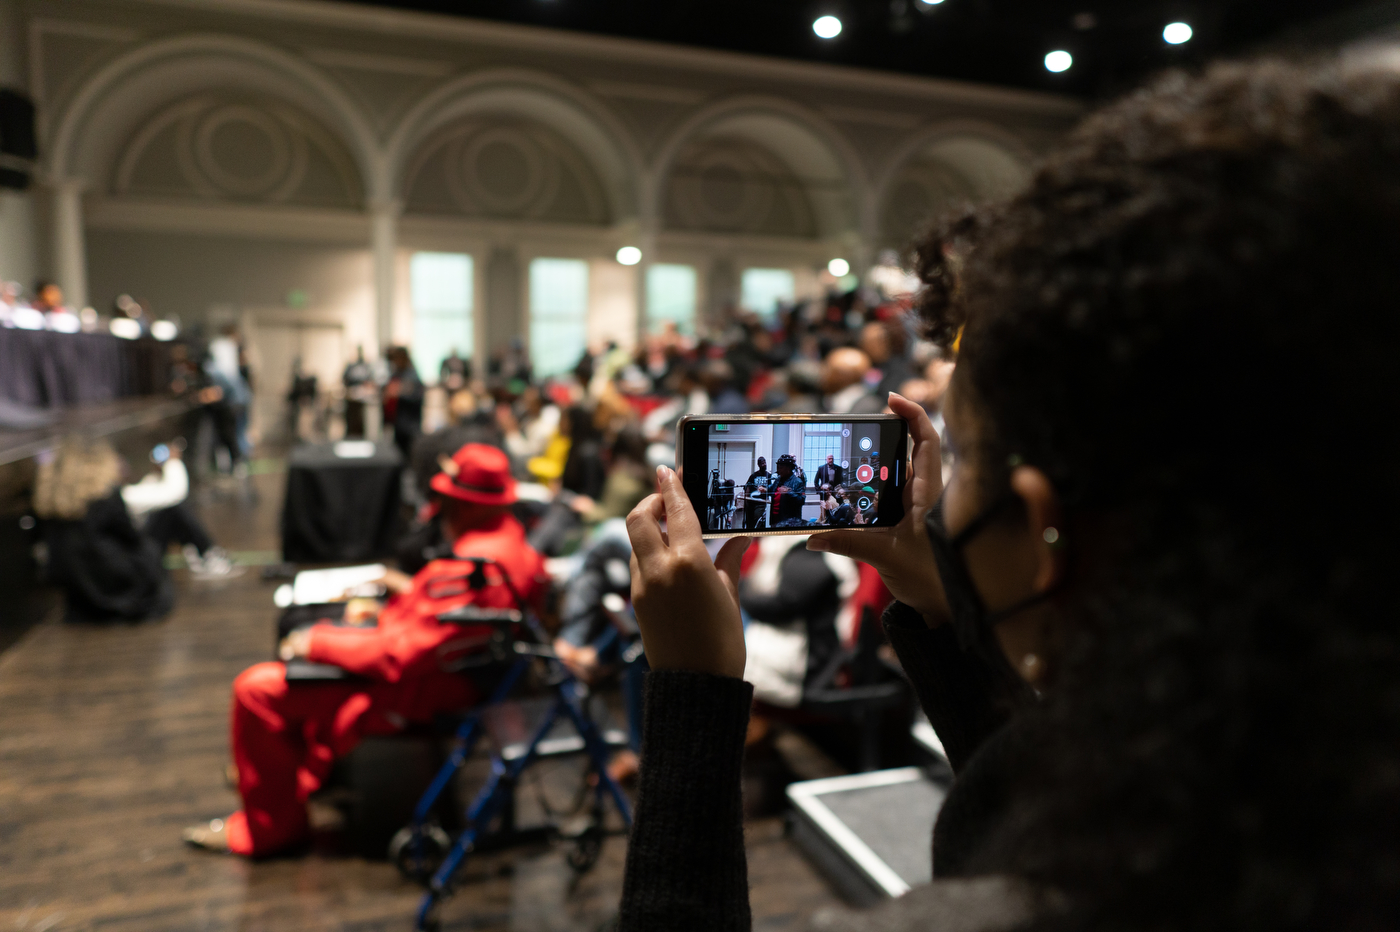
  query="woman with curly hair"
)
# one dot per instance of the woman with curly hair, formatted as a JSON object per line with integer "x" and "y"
{"x": 1153, "y": 615}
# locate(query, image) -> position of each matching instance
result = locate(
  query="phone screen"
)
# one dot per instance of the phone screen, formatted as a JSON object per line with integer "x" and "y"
{"x": 769, "y": 475}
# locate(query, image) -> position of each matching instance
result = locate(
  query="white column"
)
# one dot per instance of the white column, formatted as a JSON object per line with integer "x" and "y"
{"x": 646, "y": 241}
{"x": 69, "y": 249}
{"x": 18, "y": 250}
{"x": 863, "y": 249}
{"x": 384, "y": 239}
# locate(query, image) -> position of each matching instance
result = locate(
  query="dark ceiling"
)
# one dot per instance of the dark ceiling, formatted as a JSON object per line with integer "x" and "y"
{"x": 1115, "y": 45}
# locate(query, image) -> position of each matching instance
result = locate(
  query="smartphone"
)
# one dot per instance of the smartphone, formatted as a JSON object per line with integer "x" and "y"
{"x": 794, "y": 473}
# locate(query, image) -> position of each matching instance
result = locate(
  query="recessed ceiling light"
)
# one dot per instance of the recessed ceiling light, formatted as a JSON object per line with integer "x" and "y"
{"x": 929, "y": 2}
{"x": 827, "y": 27}
{"x": 629, "y": 255}
{"x": 1058, "y": 60}
{"x": 838, "y": 267}
{"x": 1177, "y": 33}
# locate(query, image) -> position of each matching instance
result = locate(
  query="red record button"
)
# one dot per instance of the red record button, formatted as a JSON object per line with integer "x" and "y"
{"x": 884, "y": 473}
{"x": 864, "y": 472}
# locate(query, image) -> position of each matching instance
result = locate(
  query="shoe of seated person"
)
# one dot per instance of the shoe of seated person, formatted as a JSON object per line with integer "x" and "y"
{"x": 216, "y": 564}
{"x": 210, "y": 836}
{"x": 193, "y": 561}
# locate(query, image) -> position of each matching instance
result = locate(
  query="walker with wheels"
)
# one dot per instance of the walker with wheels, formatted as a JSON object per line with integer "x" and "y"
{"x": 422, "y": 850}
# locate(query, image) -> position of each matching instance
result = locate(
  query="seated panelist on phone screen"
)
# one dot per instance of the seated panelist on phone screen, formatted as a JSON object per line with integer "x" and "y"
{"x": 857, "y": 466}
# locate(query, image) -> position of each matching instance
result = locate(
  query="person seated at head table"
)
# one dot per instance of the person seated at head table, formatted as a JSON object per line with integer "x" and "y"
{"x": 286, "y": 737}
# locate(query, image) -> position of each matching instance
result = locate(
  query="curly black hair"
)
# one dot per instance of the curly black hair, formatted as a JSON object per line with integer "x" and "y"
{"x": 1191, "y": 322}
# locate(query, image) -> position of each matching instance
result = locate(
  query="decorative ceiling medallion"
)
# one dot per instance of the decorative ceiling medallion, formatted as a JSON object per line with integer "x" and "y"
{"x": 248, "y": 153}
{"x": 920, "y": 192}
{"x": 503, "y": 170}
{"x": 732, "y": 185}
{"x": 214, "y": 148}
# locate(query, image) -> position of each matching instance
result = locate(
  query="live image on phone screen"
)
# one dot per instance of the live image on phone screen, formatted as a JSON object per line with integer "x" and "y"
{"x": 813, "y": 474}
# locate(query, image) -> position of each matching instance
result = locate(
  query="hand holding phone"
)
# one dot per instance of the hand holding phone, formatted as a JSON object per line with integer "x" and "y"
{"x": 904, "y": 557}
{"x": 687, "y": 606}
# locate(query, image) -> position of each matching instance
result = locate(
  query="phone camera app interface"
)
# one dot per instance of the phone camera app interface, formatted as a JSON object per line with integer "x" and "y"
{"x": 820, "y": 474}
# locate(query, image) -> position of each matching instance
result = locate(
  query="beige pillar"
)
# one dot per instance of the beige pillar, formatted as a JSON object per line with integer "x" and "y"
{"x": 69, "y": 249}
{"x": 647, "y": 226}
{"x": 384, "y": 240}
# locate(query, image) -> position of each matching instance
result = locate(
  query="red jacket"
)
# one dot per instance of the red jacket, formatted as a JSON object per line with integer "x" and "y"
{"x": 409, "y": 641}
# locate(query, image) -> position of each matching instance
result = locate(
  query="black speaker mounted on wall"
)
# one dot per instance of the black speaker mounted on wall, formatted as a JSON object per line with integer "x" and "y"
{"x": 18, "y": 144}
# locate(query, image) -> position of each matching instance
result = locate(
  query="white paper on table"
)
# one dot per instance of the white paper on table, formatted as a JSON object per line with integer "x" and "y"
{"x": 314, "y": 586}
{"x": 354, "y": 449}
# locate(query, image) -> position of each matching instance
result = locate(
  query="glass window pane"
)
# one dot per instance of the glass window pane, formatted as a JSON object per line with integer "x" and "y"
{"x": 558, "y": 314}
{"x": 671, "y": 297}
{"x": 819, "y": 441}
{"x": 760, "y": 290}
{"x": 440, "y": 289}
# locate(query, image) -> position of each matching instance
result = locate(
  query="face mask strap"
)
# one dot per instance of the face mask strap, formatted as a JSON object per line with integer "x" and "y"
{"x": 983, "y": 519}
{"x": 972, "y": 622}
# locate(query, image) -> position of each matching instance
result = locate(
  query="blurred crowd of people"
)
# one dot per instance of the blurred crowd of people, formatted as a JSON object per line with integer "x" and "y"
{"x": 590, "y": 438}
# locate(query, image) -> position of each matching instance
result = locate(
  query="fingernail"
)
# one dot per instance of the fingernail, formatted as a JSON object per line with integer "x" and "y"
{"x": 818, "y": 543}
{"x": 661, "y": 472}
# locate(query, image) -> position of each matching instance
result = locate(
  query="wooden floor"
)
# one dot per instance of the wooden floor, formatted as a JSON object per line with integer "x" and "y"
{"x": 114, "y": 738}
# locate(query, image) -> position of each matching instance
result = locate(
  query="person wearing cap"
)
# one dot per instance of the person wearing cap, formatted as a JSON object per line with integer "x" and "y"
{"x": 866, "y": 514}
{"x": 789, "y": 491}
{"x": 286, "y": 736}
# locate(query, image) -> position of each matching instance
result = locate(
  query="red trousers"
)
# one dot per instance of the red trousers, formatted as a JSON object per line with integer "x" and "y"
{"x": 286, "y": 736}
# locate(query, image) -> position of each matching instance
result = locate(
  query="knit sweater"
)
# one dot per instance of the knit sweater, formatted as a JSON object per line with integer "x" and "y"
{"x": 686, "y": 868}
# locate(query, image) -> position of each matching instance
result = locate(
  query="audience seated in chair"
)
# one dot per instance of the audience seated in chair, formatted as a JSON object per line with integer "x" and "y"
{"x": 286, "y": 736}
{"x": 792, "y": 597}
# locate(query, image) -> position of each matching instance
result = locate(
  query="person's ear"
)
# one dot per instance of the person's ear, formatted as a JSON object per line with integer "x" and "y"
{"x": 1043, "y": 520}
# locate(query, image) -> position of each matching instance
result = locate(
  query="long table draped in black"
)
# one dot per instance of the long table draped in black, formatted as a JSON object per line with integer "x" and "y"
{"x": 340, "y": 509}
{"x": 45, "y": 369}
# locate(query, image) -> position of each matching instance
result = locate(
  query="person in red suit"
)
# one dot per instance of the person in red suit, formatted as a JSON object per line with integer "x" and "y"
{"x": 286, "y": 736}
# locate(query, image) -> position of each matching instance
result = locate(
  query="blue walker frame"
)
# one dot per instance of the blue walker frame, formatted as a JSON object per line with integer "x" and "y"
{"x": 498, "y": 791}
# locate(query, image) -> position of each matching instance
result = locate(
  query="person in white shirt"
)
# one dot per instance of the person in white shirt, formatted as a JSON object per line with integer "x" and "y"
{"x": 157, "y": 506}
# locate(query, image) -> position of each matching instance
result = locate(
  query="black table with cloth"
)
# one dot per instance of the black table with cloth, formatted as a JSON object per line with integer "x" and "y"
{"x": 340, "y": 509}
{"x": 45, "y": 369}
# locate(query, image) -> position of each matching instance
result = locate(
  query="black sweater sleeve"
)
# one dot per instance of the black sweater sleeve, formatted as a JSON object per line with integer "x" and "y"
{"x": 686, "y": 869}
{"x": 965, "y": 698}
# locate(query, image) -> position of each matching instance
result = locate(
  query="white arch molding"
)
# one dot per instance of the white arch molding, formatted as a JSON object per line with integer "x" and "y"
{"x": 996, "y": 162}
{"x": 806, "y": 141}
{"x": 809, "y": 144}
{"x": 577, "y": 116}
{"x": 109, "y": 106}
{"x": 111, "y": 102}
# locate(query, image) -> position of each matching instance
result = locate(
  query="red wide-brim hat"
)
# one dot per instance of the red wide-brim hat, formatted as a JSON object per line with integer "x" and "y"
{"x": 476, "y": 473}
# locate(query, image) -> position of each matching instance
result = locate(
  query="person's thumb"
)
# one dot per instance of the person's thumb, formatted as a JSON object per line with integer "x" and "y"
{"x": 680, "y": 516}
{"x": 865, "y": 546}
{"x": 729, "y": 560}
